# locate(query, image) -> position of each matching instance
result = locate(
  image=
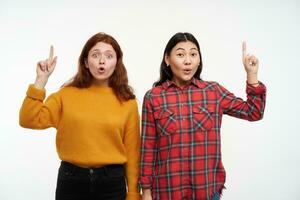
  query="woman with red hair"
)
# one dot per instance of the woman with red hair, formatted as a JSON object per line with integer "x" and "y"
{"x": 97, "y": 122}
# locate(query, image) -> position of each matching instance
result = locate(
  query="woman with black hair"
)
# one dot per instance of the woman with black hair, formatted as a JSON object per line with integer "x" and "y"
{"x": 181, "y": 123}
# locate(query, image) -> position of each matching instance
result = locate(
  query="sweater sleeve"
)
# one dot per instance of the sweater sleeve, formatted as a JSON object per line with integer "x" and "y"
{"x": 35, "y": 113}
{"x": 252, "y": 109}
{"x": 132, "y": 145}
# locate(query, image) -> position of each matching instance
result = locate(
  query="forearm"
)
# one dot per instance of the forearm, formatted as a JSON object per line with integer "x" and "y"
{"x": 252, "y": 109}
{"x": 132, "y": 174}
{"x": 132, "y": 144}
{"x": 40, "y": 82}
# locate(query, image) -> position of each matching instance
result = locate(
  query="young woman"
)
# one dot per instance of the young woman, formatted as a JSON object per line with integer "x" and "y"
{"x": 97, "y": 122}
{"x": 181, "y": 122}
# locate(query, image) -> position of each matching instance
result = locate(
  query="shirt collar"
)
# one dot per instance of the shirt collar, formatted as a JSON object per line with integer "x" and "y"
{"x": 194, "y": 81}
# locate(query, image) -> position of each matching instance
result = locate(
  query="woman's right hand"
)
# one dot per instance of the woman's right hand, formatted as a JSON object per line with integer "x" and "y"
{"x": 44, "y": 69}
{"x": 146, "y": 194}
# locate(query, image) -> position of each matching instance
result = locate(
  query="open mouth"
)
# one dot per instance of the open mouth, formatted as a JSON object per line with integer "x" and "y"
{"x": 187, "y": 70}
{"x": 101, "y": 70}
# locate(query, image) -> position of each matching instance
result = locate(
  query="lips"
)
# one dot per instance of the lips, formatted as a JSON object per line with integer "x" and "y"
{"x": 187, "y": 71}
{"x": 101, "y": 70}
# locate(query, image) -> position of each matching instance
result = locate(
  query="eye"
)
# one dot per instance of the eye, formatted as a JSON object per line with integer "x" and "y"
{"x": 94, "y": 55}
{"x": 109, "y": 56}
{"x": 180, "y": 54}
{"x": 194, "y": 54}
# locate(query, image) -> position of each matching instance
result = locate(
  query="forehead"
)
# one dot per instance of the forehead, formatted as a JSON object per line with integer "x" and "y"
{"x": 185, "y": 46}
{"x": 102, "y": 46}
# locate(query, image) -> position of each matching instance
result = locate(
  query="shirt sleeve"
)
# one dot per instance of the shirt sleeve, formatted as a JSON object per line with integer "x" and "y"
{"x": 252, "y": 109}
{"x": 132, "y": 145}
{"x": 35, "y": 113}
{"x": 148, "y": 146}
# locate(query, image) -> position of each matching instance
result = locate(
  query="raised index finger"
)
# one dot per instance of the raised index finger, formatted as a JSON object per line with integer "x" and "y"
{"x": 51, "y": 53}
{"x": 244, "y": 49}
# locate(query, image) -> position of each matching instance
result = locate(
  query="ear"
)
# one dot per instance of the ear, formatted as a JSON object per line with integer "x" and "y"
{"x": 86, "y": 64}
{"x": 167, "y": 61}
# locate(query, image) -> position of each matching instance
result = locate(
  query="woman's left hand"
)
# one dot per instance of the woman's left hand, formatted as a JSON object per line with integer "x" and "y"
{"x": 250, "y": 62}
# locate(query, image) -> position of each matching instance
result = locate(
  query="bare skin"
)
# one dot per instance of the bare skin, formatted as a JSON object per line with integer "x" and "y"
{"x": 44, "y": 69}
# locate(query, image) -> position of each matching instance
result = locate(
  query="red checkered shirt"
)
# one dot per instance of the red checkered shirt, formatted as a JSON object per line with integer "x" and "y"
{"x": 181, "y": 148}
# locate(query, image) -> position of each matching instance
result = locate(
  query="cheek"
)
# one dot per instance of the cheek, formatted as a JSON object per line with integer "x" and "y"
{"x": 176, "y": 67}
{"x": 112, "y": 64}
{"x": 91, "y": 63}
{"x": 173, "y": 69}
{"x": 177, "y": 63}
{"x": 176, "y": 72}
{"x": 195, "y": 68}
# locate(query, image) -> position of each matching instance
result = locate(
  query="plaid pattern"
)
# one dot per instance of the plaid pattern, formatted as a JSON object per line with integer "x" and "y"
{"x": 181, "y": 148}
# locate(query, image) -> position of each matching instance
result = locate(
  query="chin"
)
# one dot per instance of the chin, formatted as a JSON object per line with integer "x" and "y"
{"x": 187, "y": 79}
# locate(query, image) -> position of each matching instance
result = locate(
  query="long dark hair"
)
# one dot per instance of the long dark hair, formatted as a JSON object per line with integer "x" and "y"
{"x": 118, "y": 80}
{"x": 165, "y": 71}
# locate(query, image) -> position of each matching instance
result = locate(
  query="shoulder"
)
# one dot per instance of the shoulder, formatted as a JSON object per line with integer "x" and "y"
{"x": 130, "y": 104}
{"x": 207, "y": 84}
{"x": 129, "y": 108}
{"x": 68, "y": 90}
{"x": 157, "y": 90}
{"x": 64, "y": 93}
{"x": 211, "y": 86}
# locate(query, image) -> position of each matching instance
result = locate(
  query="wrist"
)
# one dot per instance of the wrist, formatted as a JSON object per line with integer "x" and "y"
{"x": 146, "y": 191}
{"x": 40, "y": 82}
{"x": 253, "y": 84}
{"x": 252, "y": 78}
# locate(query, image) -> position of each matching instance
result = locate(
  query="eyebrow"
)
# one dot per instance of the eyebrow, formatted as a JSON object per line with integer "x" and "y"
{"x": 184, "y": 49}
{"x": 110, "y": 51}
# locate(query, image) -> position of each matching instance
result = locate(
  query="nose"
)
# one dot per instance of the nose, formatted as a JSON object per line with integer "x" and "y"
{"x": 102, "y": 59}
{"x": 187, "y": 60}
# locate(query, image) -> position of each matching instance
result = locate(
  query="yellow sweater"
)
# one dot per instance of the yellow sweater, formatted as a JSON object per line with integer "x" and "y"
{"x": 93, "y": 127}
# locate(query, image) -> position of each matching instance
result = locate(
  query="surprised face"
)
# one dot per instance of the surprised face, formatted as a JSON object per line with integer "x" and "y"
{"x": 184, "y": 60}
{"x": 101, "y": 62}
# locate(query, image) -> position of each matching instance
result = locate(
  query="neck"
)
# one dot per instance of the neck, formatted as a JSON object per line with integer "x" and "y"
{"x": 100, "y": 83}
{"x": 181, "y": 83}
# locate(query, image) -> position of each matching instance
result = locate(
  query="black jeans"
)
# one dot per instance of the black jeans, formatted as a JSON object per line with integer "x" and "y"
{"x": 77, "y": 183}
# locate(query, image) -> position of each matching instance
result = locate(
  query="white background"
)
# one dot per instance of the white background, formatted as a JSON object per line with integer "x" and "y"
{"x": 262, "y": 159}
